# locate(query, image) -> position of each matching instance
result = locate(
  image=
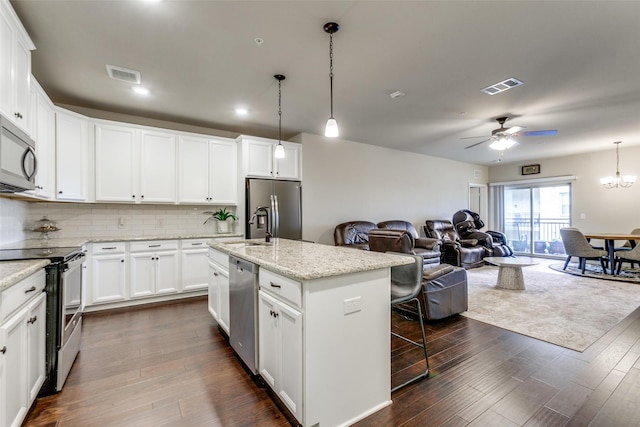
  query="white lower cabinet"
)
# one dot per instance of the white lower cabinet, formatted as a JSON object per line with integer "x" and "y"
{"x": 194, "y": 265}
{"x": 219, "y": 288}
{"x": 280, "y": 350}
{"x": 108, "y": 274}
{"x": 154, "y": 271}
{"x": 22, "y": 347}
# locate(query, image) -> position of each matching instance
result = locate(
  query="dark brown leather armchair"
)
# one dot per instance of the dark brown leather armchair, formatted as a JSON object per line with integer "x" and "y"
{"x": 353, "y": 234}
{"x": 467, "y": 253}
{"x": 426, "y": 247}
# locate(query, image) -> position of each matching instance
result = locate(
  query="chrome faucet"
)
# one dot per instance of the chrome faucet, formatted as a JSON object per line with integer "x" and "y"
{"x": 268, "y": 235}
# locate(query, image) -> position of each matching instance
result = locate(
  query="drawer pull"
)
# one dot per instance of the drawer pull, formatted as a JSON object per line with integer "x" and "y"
{"x": 32, "y": 320}
{"x": 109, "y": 248}
{"x": 196, "y": 244}
{"x": 3, "y": 350}
{"x": 273, "y": 285}
{"x": 154, "y": 246}
{"x": 31, "y": 289}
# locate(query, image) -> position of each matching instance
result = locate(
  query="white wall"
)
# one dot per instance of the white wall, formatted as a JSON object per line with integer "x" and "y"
{"x": 345, "y": 181}
{"x": 608, "y": 211}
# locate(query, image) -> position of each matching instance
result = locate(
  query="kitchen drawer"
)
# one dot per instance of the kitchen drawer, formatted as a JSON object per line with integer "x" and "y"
{"x": 195, "y": 244}
{"x": 284, "y": 288}
{"x": 108, "y": 248}
{"x": 16, "y": 296}
{"x": 153, "y": 245}
{"x": 219, "y": 258}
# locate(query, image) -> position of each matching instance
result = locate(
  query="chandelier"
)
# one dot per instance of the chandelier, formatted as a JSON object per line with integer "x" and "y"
{"x": 623, "y": 181}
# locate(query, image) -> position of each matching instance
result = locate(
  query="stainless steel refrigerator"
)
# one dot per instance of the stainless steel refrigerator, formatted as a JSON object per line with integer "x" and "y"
{"x": 283, "y": 202}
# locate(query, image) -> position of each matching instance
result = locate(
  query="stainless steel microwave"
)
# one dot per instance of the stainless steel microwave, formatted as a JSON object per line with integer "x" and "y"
{"x": 18, "y": 163}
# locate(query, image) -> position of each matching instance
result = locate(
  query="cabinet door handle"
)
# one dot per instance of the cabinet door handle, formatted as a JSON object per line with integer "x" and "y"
{"x": 3, "y": 350}
{"x": 273, "y": 285}
{"x": 109, "y": 248}
{"x": 154, "y": 246}
{"x": 31, "y": 289}
{"x": 32, "y": 320}
{"x": 121, "y": 260}
{"x": 215, "y": 274}
{"x": 196, "y": 244}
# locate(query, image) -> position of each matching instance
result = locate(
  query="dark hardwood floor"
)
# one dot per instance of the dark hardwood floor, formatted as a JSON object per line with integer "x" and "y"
{"x": 169, "y": 365}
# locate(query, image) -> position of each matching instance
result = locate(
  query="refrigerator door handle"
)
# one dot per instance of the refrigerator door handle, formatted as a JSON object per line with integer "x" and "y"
{"x": 275, "y": 217}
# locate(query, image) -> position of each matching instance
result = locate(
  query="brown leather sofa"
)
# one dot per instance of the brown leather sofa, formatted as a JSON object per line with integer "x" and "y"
{"x": 353, "y": 234}
{"x": 468, "y": 225}
{"x": 388, "y": 239}
{"x": 467, "y": 253}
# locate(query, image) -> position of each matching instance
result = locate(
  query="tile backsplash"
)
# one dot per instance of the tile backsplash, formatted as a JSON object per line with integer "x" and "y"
{"x": 13, "y": 214}
{"x": 114, "y": 220}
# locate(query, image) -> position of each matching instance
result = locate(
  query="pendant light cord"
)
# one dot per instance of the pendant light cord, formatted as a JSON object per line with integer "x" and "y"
{"x": 279, "y": 110}
{"x": 331, "y": 70}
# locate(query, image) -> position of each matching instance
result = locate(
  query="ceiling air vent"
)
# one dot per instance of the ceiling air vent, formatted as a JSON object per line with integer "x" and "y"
{"x": 502, "y": 86}
{"x": 123, "y": 74}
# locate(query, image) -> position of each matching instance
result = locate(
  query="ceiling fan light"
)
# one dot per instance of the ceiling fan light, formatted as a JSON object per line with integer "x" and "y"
{"x": 331, "y": 129}
{"x": 279, "y": 153}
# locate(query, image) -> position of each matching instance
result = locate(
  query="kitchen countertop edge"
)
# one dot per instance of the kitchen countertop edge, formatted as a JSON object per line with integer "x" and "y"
{"x": 12, "y": 272}
{"x": 308, "y": 261}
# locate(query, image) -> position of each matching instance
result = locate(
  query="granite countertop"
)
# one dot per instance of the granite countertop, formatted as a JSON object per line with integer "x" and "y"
{"x": 79, "y": 241}
{"x": 11, "y": 272}
{"x": 306, "y": 261}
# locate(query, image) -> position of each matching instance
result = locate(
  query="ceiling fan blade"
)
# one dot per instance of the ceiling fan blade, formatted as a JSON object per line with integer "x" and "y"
{"x": 512, "y": 130}
{"x": 477, "y": 143}
{"x": 540, "y": 133}
{"x": 472, "y": 137}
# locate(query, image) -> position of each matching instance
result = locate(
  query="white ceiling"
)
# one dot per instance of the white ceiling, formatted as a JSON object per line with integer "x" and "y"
{"x": 579, "y": 61}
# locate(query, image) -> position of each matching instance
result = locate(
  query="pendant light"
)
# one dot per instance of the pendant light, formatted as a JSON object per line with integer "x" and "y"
{"x": 331, "y": 129}
{"x": 617, "y": 180}
{"x": 279, "y": 152}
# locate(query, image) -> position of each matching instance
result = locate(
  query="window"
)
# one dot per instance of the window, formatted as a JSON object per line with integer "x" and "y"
{"x": 533, "y": 215}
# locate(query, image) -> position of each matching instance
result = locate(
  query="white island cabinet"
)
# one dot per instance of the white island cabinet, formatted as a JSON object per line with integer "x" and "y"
{"x": 324, "y": 327}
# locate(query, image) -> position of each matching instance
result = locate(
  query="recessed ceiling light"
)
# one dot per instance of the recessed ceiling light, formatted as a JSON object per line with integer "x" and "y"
{"x": 242, "y": 111}
{"x": 141, "y": 90}
{"x": 258, "y": 41}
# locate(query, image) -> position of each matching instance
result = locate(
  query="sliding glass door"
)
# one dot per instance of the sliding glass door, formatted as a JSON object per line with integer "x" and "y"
{"x": 533, "y": 216}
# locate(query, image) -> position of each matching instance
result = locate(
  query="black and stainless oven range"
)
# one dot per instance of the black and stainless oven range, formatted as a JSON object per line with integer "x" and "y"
{"x": 64, "y": 287}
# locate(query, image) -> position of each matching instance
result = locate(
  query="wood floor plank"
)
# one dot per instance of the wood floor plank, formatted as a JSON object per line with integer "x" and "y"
{"x": 169, "y": 365}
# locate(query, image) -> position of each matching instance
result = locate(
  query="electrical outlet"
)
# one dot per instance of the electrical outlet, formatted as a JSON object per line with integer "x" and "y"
{"x": 161, "y": 223}
{"x": 352, "y": 305}
{"x": 121, "y": 222}
{"x": 583, "y": 216}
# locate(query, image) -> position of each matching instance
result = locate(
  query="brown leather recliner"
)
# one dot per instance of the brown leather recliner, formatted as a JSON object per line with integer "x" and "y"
{"x": 353, "y": 234}
{"x": 467, "y": 253}
{"x": 427, "y": 248}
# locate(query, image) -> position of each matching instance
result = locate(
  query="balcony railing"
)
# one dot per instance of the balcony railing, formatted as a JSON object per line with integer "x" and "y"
{"x": 546, "y": 234}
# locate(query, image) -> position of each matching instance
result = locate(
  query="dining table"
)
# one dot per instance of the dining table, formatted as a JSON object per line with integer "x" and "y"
{"x": 609, "y": 243}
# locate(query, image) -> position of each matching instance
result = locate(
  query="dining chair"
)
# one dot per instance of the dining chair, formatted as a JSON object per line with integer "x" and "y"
{"x": 406, "y": 285}
{"x": 628, "y": 246}
{"x": 631, "y": 256}
{"x": 575, "y": 244}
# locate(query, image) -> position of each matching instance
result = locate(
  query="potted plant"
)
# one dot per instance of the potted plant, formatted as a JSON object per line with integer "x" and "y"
{"x": 222, "y": 216}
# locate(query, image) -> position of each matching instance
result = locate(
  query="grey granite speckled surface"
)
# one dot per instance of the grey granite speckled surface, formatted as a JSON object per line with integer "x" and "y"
{"x": 307, "y": 261}
{"x": 11, "y": 272}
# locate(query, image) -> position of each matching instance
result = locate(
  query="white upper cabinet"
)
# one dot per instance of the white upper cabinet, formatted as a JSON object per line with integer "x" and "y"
{"x": 207, "y": 169}
{"x": 115, "y": 163}
{"x": 43, "y": 131}
{"x": 258, "y": 159}
{"x": 72, "y": 156}
{"x": 15, "y": 68}
{"x": 134, "y": 165}
{"x": 157, "y": 167}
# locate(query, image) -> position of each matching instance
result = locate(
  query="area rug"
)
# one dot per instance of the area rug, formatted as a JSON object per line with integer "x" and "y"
{"x": 627, "y": 274}
{"x": 562, "y": 309}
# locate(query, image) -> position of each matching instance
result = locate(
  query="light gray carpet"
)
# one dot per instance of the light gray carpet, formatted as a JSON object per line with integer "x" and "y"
{"x": 559, "y": 308}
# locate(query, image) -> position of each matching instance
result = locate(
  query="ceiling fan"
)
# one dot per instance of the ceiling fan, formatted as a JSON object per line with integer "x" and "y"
{"x": 502, "y": 137}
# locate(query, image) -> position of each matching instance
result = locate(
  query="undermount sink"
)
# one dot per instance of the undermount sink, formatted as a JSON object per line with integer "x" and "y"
{"x": 245, "y": 244}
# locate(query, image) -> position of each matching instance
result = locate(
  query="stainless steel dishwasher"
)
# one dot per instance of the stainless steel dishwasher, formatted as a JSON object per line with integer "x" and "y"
{"x": 243, "y": 307}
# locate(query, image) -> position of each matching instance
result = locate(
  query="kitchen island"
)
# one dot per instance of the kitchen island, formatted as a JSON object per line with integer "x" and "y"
{"x": 323, "y": 326}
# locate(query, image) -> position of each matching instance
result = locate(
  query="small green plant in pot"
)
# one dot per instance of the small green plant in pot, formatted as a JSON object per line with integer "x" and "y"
{"x": 222, "y": 217}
